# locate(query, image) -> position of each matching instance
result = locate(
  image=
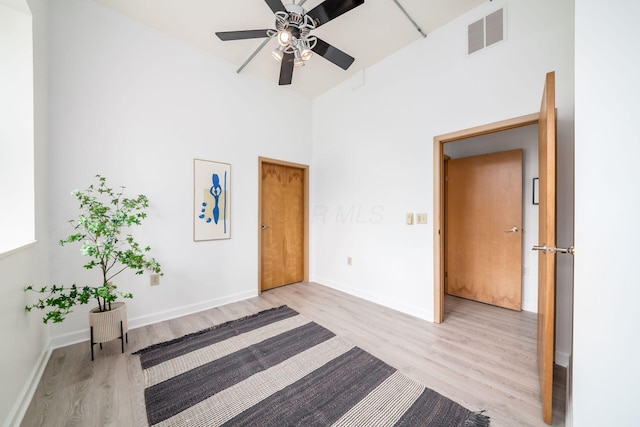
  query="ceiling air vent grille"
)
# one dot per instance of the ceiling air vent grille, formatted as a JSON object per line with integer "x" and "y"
{"x": 486, "y": 31}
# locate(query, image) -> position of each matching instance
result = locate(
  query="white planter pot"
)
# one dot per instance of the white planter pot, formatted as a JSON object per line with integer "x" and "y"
{"x": 108, "y": 325}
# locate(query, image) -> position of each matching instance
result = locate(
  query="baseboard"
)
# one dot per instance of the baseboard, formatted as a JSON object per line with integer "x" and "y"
{"x": 562, "y": 359}
{"x": 189, "y": 309}
{"x": 70, "y": 338}
{"x": 394, "y": 305}
{"x": 568, "y": 419}
{"x": 137, "y": 322}
{"x": 26, "y": 394}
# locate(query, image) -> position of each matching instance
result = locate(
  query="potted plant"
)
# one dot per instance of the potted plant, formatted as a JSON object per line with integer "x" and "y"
{"x": 100, "y": 228}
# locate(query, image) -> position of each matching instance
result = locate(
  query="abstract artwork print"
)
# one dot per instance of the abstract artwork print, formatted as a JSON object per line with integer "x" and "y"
{"x": 211, "y": 198}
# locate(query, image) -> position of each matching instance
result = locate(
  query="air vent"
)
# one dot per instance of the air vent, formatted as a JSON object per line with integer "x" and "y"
{"x": 476, "y": 36}
{"x": 494, "y": 24}
{"x": 486, "y": 31}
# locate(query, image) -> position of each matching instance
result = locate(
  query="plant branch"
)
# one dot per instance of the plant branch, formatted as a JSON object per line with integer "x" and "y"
{"x": 104, "y": 214}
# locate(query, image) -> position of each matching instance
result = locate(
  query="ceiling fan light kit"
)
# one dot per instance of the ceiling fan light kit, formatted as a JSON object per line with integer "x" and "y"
{"x": 293, "y": 29}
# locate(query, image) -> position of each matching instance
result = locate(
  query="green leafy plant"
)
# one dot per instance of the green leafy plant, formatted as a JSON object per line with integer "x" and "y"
{"x": 104, "y": 214}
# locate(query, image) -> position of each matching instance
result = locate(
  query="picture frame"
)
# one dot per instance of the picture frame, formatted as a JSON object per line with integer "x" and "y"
{"x": 536, "y": 191}
{"x": 211, "y": 200}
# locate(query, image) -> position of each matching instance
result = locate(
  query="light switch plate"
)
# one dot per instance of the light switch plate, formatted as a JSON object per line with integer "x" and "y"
{"x": 410, "y": 218}
{"x": 421, "y": 218}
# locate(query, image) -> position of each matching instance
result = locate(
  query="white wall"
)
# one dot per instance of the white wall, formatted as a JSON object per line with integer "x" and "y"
{"x": 373, "y": 148}
{"x": 525, "y": 138}
{"x": 25, "y": 340}
{"x": 138, "y": 106}
{"x": 16, "y": 127}
{"x": 606, "y": 371}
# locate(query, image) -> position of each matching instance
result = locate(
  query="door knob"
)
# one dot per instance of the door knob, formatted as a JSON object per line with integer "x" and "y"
{"x": 512, "y": 230}
{"x": 570, "y": 250}
{"x": 264, "y": 227}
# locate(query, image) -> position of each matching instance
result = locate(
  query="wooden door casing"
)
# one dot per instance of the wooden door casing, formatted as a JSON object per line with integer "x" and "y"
{"x": 484, "y": 201}
{"x": 438, "y": 196}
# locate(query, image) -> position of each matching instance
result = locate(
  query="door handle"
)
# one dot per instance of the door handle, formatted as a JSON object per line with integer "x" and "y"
{"x": 264, "y": 227}
{"x": 512, "y": 230}
{"x": 570, "y": 250}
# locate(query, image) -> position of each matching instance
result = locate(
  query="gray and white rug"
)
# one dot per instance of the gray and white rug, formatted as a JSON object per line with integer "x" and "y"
{"x": 277, "y": 368}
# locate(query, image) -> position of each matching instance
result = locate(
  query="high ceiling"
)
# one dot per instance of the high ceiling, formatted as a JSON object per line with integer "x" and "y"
{"x": 369, "y": 32}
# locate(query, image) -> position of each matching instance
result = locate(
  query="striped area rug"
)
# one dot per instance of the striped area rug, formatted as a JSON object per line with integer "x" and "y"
{"x": 276, "y": 368}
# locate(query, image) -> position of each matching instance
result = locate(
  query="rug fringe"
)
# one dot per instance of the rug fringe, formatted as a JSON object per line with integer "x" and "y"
{"x": 477, "y": 419}
{"x": 211, "y": 328}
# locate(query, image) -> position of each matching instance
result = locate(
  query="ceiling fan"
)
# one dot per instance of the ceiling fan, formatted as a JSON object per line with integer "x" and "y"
{"x": 293, "y": 32}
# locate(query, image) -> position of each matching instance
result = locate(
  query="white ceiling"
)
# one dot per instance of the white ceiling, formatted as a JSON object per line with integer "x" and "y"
{"x": 369, "y": 32}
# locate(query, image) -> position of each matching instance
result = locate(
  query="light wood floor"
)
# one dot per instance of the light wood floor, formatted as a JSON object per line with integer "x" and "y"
{"x": 482, "y": 356}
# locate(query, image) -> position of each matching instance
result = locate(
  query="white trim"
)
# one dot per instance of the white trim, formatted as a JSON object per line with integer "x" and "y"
{"x": 8, "y": 248}
{"x": 83, "y": 335}
{"x": 26, "y": 394}
{"x": 403, "y": 308}
{"x": 190, "y": 309}
{"x": 562, "y": 359}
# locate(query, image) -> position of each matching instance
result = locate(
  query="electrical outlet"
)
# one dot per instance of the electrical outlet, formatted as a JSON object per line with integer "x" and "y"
{"x": 349, "y": 260}
{"x": 154, "y": 279}
{"x": 410, "y": 218}
{"x": 421, "y": 218}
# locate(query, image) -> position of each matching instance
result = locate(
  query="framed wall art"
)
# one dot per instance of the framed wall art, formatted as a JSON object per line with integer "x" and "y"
{"x": 211, "y": 200}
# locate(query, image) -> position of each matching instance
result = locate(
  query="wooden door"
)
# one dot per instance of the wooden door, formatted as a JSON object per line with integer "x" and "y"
{"x": 282, "y": 229}
{"x": 484, "y": 228}
{"x": 547, "y": 239}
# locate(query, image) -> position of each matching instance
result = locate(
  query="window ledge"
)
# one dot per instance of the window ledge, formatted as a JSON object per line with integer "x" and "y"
{"x": 8, "y": 248}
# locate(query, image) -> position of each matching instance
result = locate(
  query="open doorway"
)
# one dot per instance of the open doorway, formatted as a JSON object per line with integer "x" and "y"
{"x": 439, "y": 178}
{"x": 508, "y": 268}
{"x": 546, "y": 119}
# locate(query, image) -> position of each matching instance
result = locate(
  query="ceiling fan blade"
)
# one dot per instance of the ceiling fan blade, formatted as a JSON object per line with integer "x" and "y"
{"x": 241, "y": 35}
{"x": 333, "y": 54}
{"x": 286, "y": 69}
{"x": 330, "y": 9}
{"x": 275, "y": 5}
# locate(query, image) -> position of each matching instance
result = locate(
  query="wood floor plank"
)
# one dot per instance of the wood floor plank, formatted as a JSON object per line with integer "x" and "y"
{"x": 482, "y": 356}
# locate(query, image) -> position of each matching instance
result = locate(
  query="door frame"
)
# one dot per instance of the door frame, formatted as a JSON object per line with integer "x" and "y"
{"x": 438, "y": 196}
{"x": 305, "y": 245}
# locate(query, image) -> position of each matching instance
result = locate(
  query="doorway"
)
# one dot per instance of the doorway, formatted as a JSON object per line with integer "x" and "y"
{"x": 546, "y": 119}
{"x": 439, "y": 177}
{"x": 283, "y": 227}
